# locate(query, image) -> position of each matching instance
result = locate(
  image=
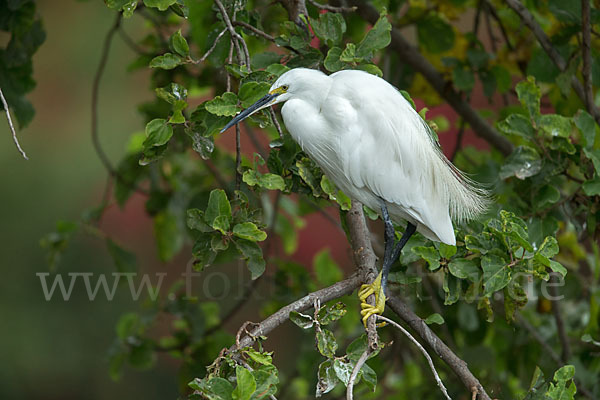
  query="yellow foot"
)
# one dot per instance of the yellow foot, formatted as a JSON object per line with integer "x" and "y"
{"x": 365, "y": 291}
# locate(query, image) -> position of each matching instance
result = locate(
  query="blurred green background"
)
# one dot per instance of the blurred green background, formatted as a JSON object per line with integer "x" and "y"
{"x": 58, "y": 349}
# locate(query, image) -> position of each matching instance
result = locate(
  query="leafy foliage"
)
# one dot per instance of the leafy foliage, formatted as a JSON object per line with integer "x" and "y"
{"x": 220, "y": 207}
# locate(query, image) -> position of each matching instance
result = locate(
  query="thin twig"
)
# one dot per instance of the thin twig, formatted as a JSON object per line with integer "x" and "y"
{"x": 12, "y": 128}
{"x": 244, "y": 56}
{"x": 276, "y": 122}
{"x": 560, "y": 325}
{"x": 422, "y": 349}
{"x": 587, "y": 54}
{"x": 361, "y": 361}
{"x": 533, "y": 332}
{"x": 254, "y": 30}
{"x": 130, "y": 43}
{"x": 331, "y": 8}
{"x": 255, "y": 142}
{"x": 212, "y": 48}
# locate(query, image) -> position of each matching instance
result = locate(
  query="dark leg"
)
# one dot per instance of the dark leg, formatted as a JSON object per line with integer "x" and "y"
{"x": 391, "y": 252}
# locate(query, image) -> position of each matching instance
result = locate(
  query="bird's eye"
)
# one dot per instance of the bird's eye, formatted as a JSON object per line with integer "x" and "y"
{"x": 285, "y": 87}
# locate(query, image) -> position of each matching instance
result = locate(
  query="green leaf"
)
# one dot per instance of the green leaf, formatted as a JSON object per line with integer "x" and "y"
{"x": 465, "y": 269}
{"x": 546, "y": 196}
{"x": 452, "y": 288}
{"x": 179, "y": 44}
{"x": 249, "y": 231}
{"x": 246, "y": 385}
{"x": 529, "y": 96}
{"x": 330, "y": 27}
{"x": 518, "y": 125}
{"x": 587, "y": 126}
{"x": 326, "y": 343}
{"x": 496, "y": 274}
{"x": 332, "y": 62}
{"x": 377, "y": 38}
{"x": 463, "y": 79}
{"x": 446, "y": 250}
{"x": 224, "y": 105}
{"x": 129, "y": 324}
{"x": 327, "y": 378}
{"x": 267, "y": 181}
{"x": 326, "y": 269}
{"x": 503, "y": 78}
{"x": 429, "y": 254}
{"x": 251, "y": 92}
{"x": 166, "y": 61}
{"x": 594, "y": 156}
{"x": 343, "y": 370}
{"x": 169, "y": 237}
{"x": 522, "y": 163}
{"x": 434, "y": 319}
{"x": 592, "y": 187}
{"x": 253, "y": 255}
{"x": 124, "y": 260}
{"x": 218, "y": 205}
{"x": 556, "y": 125}
{"x": 216, "y": 388}
{"x": 332, "y": 313}
{"x": 158, "y": 133}
{"x": 221, "y": 224}
{"x": 195, "y": 220}
{"x": 203, "y": 252}
{"x": 435, "y": 34}
{"x": 162, "y": 5}
{"x": 559, "y": 390}
{"x": 302, "y": 320}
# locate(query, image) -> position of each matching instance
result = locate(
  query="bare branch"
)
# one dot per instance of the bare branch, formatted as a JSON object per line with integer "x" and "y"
{"x": 422, "y": 349}
{"x": 413, "y": 57}
{"x": 238, "y": 157}
{"x": 254, "y": 30}
{"x": 587, "y": 54}
{"x": 276, "y": 122}
{"x": 457, "y": 365}
{"x": 332, "y": 292}
{"x": 244, "y": 56}
{"x": 12, "y": 128}
{"x": 355, "y": 370}
{"x": 212, "y": 48}
{"x": 560, "y": 325}
{"x": 331, "y": 8}
{"x": 529, "y": 20}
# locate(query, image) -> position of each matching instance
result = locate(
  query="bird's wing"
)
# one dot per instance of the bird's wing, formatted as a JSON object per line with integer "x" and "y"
{"x": 385, "y": 148}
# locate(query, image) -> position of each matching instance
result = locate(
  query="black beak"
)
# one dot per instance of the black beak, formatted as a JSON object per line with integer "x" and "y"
{"x": 263, "y": 102}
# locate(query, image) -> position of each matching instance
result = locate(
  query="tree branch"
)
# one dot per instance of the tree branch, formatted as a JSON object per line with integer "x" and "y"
{"x": 587, "y": 54}
{"x": 556, "y": 58}
{"x": 411, "y": 56}
{"x": 331, "y": 8}
{"x": 364, "y": 258}
{"x": 422, "y": 349}
{"x": 457, "y": 365}
{"x": 332, "y": 292}
{"x": 12, "y": 128}
{"x": 361, "y": 361}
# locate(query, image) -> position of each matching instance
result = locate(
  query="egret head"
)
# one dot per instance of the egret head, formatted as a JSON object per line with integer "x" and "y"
{"x": 292, "y": 83}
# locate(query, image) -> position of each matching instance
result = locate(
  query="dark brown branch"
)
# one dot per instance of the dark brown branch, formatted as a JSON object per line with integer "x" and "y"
{"x": 587, "y": 54}
{"x": 529, "y": 20}
{"x": 457, "y": 365}
{"x": 411, "y": 56}
{"x": 295, "y": 8}
{"x": 12, "y": 128}
{"x": 238, "y": 158}
{"x": 243, "y": 56}
{"x": 332, "y": 292}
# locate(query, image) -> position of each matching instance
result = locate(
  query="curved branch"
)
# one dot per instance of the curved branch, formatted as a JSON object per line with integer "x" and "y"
{"x": 411, "y": 56}
{"x": 457, "y": 365}
{"x": 355, "y": 370}
{"x": 422, "y": 349}
{"x": 12, "y": 128}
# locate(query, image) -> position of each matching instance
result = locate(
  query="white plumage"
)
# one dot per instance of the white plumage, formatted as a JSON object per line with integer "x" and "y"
{"x": 369, "y": 140}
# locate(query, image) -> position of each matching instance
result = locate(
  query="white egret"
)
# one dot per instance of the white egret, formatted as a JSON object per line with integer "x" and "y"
{"x": 376, "y": 148}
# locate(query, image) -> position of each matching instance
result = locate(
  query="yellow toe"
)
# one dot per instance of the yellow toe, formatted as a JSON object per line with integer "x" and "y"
{"x": 365, "y": 291}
